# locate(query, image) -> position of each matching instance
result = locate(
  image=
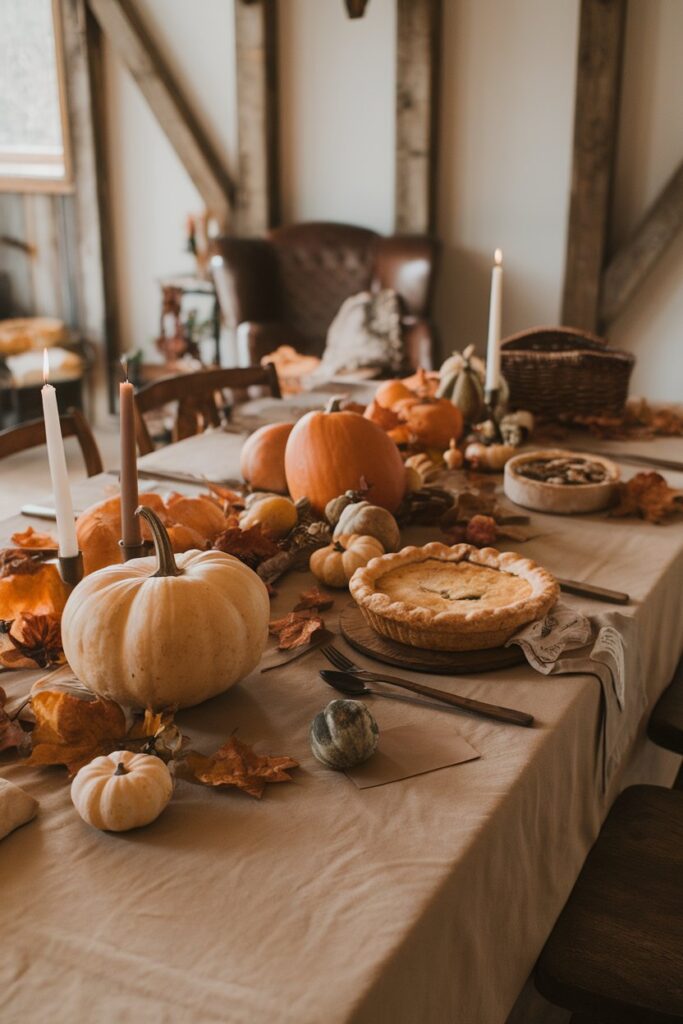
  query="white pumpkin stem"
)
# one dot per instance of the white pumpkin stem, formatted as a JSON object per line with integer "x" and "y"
{"x": 166, "y": 563}
{"x": 334, "y": 404}
{"x": 121, "y": 769}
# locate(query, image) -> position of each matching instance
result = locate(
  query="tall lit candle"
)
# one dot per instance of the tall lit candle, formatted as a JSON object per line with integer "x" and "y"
{"x": 66, "y": 528}
{"x": 130, "y": 524}
{"x": 495, "y": 311}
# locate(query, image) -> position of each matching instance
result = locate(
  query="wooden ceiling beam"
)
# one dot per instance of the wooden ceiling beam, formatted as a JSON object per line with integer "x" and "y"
{"x": 418, "y": 51}
{"x": 601, "y": 43}
{"x": 123, "y": 27}
{"x": 257, "y": 206}
{"x": 629, "y": 267}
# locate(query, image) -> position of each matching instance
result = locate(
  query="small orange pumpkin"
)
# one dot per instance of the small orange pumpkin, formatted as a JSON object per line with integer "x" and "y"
{"x": 434, "y": 422}
{"x": 262, "y": 459}
{"x": 192, "y": 522}
{"x": 390, "y": 392}
{"x": 424, "y": 383}
{"x": 331, "y": 452}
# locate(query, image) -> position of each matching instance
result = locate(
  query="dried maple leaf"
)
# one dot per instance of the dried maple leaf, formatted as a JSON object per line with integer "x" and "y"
{"x": 72, "y": 732}
{"x": 155, "y": 732}
{"x": 30, "y": 538}
{"x": 12, "y": 736}
{"x": 236, "y": 764}
{"x": 252, "y": 546}
{"x": 295, "y": 629}
{"x": 649, "y": 496}
{"x": 313, "y": 599}
{"x": 18, "y": 563}
{"x": 35, "y": 640}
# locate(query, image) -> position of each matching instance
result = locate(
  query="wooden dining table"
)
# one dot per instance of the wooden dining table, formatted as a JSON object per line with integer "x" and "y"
{"x": 424, "y": 900}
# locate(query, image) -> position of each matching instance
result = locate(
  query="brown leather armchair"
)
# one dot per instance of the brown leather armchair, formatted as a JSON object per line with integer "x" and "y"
{"x": 288, "y": 287}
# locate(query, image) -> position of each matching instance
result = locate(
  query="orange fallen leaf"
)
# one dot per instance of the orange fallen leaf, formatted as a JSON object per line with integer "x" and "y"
{"x": 30, "y": 538}
{"x": 313, "y": 599}
{"x": 72, "y": 732}
{"x": 295, "y": 629}
{"x": 236, "y": 764}
{"x": 155, "y": 732}
{"x": 32, "y": 640}
{"x": 252, "y": 546}
{"x": 649, "y": 496}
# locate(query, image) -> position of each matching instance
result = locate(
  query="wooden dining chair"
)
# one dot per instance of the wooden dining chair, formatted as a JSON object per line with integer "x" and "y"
{"x": 615, "y": 955}
{"x": 665, "y": 727}
{"x": 196, "y": 395}
{"x": 32, "y": 434}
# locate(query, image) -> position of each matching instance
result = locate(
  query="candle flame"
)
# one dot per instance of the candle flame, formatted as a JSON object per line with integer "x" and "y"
{"x": 124, "y": 367}
{"x": 498, "y": 257}
{"x": 46, "y": 366}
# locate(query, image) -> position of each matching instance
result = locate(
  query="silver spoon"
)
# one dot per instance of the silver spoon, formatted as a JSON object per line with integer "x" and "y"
{"x": 354, "y": 687}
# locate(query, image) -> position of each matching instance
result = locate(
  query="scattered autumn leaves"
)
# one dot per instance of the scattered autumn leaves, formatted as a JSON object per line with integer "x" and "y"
{"x": 71, "y": 731}
{"x": 302, "y": 625}
{"x": 649, "y": 496}
{"x": 31, "y": 640}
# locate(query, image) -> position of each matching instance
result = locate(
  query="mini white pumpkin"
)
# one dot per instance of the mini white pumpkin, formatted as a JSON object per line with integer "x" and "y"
{"x": 122, "y": 790}
{"x": 176, "y": 636}
{"x": 371, "y": 521}
{"x": 344, "y": 734}
{"x": 335, "y": 564}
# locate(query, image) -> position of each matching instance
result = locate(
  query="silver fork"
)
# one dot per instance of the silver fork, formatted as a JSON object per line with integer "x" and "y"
{"x": 475, "y": 707}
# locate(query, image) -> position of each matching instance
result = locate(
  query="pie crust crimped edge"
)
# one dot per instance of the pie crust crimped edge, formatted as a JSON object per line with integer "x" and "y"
{"x": 459, "y": 629}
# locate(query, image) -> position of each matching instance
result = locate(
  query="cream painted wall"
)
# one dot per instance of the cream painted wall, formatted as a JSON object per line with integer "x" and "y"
{"x": 504, "y": 172}
{"x": 151, "y": 192}
{"x": 337, "y": 100}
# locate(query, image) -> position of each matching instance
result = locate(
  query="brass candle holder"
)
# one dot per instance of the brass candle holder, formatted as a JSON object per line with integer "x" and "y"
{"x": 71, "y": 568}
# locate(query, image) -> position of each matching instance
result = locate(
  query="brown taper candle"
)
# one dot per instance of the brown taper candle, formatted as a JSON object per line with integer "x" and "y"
{"x": 130, "y": 524}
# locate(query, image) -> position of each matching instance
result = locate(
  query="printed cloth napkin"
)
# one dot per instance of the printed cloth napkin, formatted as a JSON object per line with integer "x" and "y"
{"x": 566, "y": 642}
{"x": 16, "y": 807}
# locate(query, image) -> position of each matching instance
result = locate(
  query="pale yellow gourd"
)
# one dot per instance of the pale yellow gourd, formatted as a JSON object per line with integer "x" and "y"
{"x": 164, "y": 631}
{"x": 273, "y": 512}
{"x": 122, "y": 790}
{"x": 335, "y": 564}
{"x": 370, "y": 521}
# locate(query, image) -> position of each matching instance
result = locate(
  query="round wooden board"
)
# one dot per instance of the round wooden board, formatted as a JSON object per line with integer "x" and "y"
{"x": 447, "y": 663}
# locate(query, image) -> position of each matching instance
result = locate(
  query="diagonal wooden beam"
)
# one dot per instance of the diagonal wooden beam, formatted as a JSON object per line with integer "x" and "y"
{"x": 601, "y": 43}
{"x": 418, "y": 32}
{"x": 257, "y": 197}
{"x": 122, "y": 25}
{"x": 630, "y": 266}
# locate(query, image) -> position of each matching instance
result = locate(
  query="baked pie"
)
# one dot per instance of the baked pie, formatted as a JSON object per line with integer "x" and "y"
{"x": 458, "y": 598}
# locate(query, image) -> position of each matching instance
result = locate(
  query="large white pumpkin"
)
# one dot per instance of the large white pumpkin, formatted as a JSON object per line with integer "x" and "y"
{"x": 164, "y": 631}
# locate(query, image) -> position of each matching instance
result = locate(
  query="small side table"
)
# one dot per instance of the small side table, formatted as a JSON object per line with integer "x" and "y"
{"x": 190, "y": 284}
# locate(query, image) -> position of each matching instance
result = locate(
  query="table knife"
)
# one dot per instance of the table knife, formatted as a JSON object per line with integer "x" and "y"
{"x": 590, "y": 590}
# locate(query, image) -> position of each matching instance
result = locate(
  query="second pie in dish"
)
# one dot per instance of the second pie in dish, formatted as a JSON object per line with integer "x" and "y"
{"x": 457, "y": 598}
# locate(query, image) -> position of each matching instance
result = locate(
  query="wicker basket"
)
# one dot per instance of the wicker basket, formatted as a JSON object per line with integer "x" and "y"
{"x": 562, "y": 371}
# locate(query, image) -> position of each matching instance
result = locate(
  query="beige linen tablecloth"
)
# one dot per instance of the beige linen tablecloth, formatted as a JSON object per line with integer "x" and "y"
{"x": 424, "y": 901}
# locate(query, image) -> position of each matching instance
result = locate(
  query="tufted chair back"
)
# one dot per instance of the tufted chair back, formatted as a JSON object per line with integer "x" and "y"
{"x": 288, "y": 287}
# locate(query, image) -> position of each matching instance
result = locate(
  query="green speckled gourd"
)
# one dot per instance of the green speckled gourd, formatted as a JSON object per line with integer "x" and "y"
{"x": 370, "y": 521}
{"x": 344, "y": 734}
{"x": 461, "y": 381}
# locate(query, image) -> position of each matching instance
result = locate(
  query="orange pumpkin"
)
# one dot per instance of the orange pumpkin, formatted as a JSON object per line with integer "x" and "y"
{"x": 423, "y": 382}
{"x": 262, "y": 459}
{"x": 192, "y": 522}
{"x": 434, "y": 422}
{"x": 390, "y": 392}
{"x": 331, "y": 452}
{"x": 40, "y": 592}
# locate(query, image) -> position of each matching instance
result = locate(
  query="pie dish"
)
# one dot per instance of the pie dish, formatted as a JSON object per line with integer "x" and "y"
{"x": 458, "y": 598}
{"x": 575, "y": 482}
